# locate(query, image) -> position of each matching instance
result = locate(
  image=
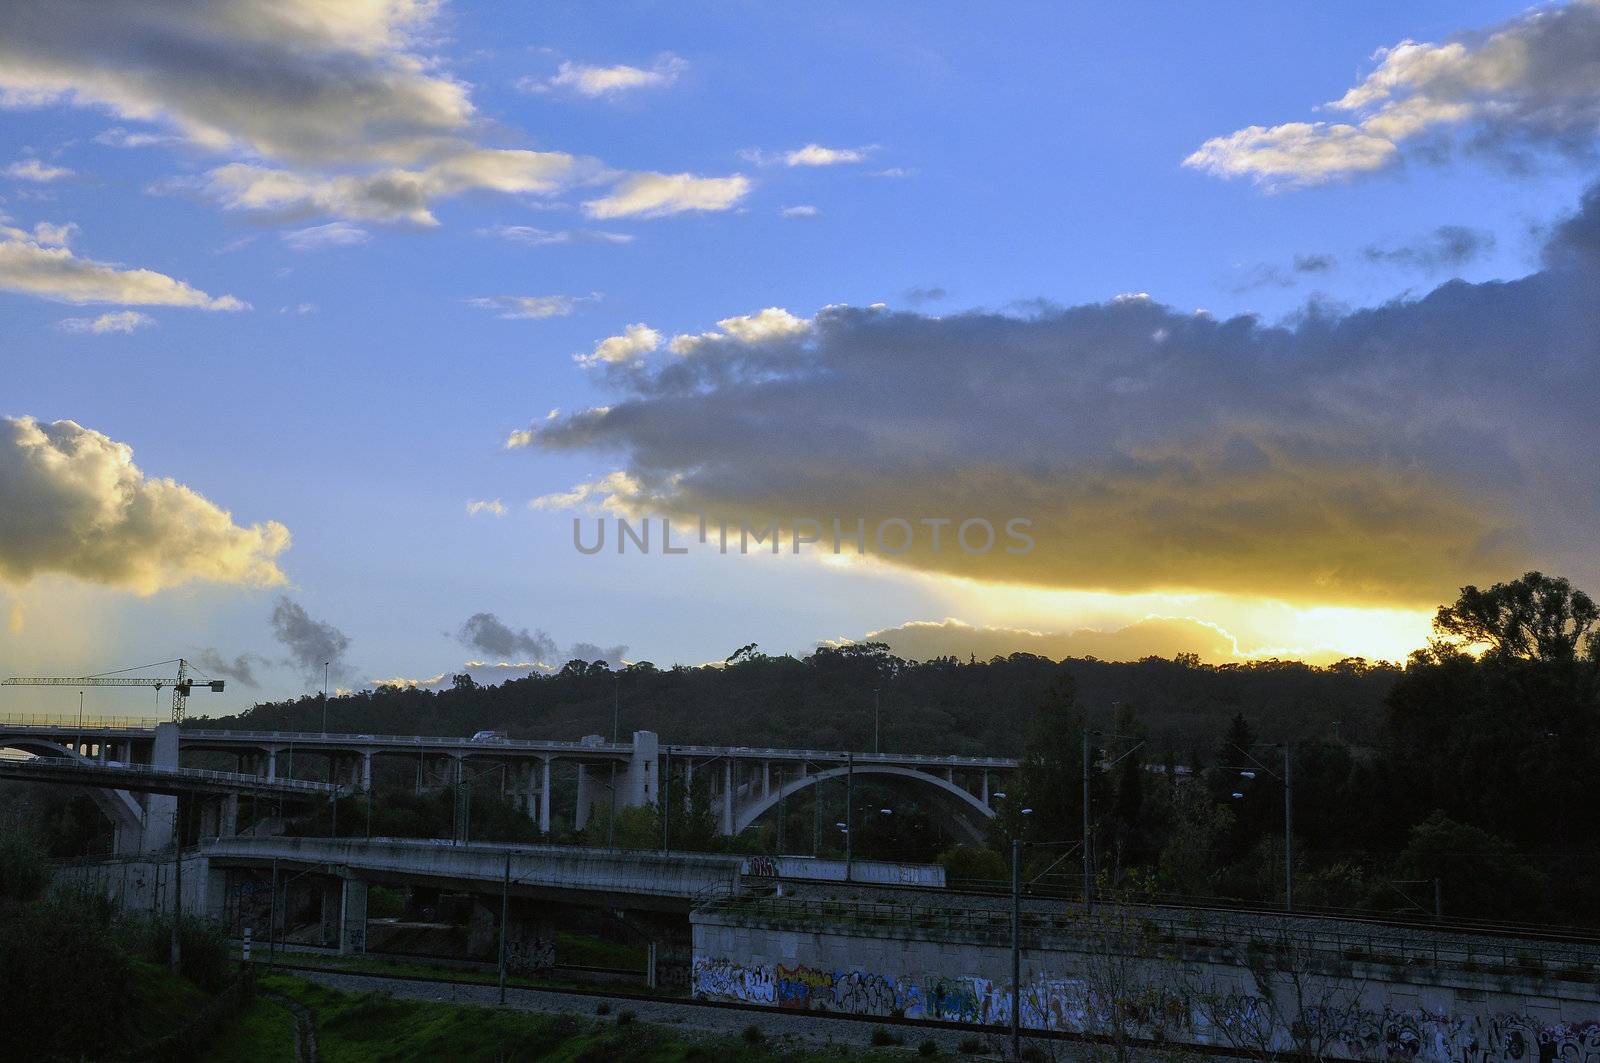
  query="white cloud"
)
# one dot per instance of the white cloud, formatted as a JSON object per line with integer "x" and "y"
{"x": 76, "y": 504}
{"x": 800, "y": 210}
{"x": 772, "y": 325}
{"x": 36, "y": 171}
{"x": 535, "y": 237}
{"x": 123, "y": 321}
{"x": 532, "y": 307}
{"x": 613, "y": 80}
{"x": 333, "y": 234}
{"x": 54, "y": 235}
{"x": 635, "y": 342}
{"x": 1528, "y": 84}
{"x": 817, "y": 155}
{"x": 392, "y": 195}
{"x": 655, "y": 195}
{"x": 56, "y": 273}
{"x": 494, "y": 508}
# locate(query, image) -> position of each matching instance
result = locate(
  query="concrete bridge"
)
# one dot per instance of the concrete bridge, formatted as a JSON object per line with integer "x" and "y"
{"x": 745, "y": 783}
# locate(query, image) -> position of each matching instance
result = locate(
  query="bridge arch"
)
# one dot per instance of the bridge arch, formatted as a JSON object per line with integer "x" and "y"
{"x": 968, "y": 812}
{"x": 118, "y": 806}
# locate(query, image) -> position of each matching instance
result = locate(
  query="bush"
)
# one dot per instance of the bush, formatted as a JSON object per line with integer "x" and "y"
{"x": 202, "y": 948}
{"x": 24, "y": 872}
{"x": 753, "y": 1035}
{"x": 927, "y": 1049}
{"x": 626, "y": 1016}
{"x": 970, "y": 1046}
{"x": 66, "y": 984}
{"x": 882, "y": 1038}
{"x": 602, "y": 1008}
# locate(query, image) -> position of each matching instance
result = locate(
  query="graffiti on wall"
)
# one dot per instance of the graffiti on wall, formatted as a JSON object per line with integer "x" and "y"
{"x": 1068, "y": 1004}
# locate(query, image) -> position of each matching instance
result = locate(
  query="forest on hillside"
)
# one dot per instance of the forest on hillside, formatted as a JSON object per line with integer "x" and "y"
{"x": 829, "y": 700}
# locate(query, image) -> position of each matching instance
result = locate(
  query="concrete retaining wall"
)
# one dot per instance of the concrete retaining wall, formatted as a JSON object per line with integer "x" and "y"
{"x": 1253, "y": 1001}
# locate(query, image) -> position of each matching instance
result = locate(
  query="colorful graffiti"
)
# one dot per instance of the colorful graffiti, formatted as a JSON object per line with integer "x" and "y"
{"x": 1068, "y": 1004}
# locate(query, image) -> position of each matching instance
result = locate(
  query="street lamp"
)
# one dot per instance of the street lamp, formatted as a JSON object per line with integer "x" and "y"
{"x": 1287, "y": 778}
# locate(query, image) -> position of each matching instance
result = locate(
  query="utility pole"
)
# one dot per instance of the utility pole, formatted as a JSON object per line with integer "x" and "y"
{"x": 272, "y": 920}
{"x": 175, "y": 957}
{"x": 1016, "y": 948}
{"x": 324, "y": 697}
{"x": 1088, "y": 864}
{"x": 849, "y": 817}
{"x": 666, "y": 795}
{"x": 1288, "y": 832}
{"x": 505, "y": 894}
{"x": 616, "y": 714}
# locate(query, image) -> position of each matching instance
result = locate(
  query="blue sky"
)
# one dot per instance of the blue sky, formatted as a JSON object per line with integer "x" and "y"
{"x": 981, "y": 161}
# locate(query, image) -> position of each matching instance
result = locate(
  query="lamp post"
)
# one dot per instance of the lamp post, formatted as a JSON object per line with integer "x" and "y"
{"x": 849, "y": 818}
{"x": 324, "y": 697}
{"x": 1287, "y": 779}
{"x": 876, "y": 715}
{"x": 1016, "y": 939}
{"x": 505, "y": 896}
{"x": 616, "y": 715}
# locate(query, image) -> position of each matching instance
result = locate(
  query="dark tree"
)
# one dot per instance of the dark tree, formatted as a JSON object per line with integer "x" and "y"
{"x": 1537, "y": 617}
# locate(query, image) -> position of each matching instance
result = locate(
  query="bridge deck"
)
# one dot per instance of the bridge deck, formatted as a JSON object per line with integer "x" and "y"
{"x": 143, "y": 778}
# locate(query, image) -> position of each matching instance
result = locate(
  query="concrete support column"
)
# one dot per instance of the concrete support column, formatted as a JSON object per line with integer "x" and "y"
{"x": 986, "y": 788}
{"x": 161, "y": 810}
{"x": 366, "y": 772}
{"x": 272, "y": 764}
{"x": 727, "y": 797}
{"x": 580, "y": 815}
{"x": 643, "y": 778}
{"x": 228, "y": 817}
{"x": 766, "y": 777}
{"x": 352, "y": 916}
{"x": 544, "y": 796}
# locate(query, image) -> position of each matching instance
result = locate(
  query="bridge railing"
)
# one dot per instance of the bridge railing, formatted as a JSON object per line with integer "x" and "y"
{"x": 508, "y": 745}
{"x": 71, "y": 722}
{"x": 835, "y": 756}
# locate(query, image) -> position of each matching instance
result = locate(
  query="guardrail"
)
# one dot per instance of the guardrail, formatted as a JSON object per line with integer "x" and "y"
{"x": 87, "y": 723}
{"x": 1162, "y": 932}
{"x": 508, "y": 745}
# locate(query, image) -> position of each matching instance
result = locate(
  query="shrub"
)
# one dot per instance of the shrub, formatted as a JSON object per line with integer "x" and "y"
{"x": 602, "y": 1008}
{"x": 753, "y": 1035}
{"x": 24, "y": 872}
{"x": 927, "y": 1049}
{"x": 970, "y": 1046}
{"x": 882, "y": 1038}
{"x": 626, "y": 1016}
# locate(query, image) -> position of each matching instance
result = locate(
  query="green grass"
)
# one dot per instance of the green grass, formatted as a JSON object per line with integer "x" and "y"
{"x": 585, "y": 950}
{"x": 264, "y": 1033}
{"x": 375, "y": 1028}
{"x": 162, "y": 1002}
{"x": 375, "y": 964}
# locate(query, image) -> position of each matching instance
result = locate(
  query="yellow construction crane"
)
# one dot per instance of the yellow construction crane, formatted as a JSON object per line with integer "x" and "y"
{"x": 182, "y": 686}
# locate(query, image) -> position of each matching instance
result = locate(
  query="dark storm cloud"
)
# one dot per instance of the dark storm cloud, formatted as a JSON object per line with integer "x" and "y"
{"x": 1386, "y": 454}
{"x": 241, "y": 669}
{"x": 1447, "y": 247}
{"x": 311, "y": 643}
{"x": 486, "y": 633}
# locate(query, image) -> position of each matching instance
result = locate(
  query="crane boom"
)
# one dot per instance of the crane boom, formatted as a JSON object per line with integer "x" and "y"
{"x": 182, "y": 686}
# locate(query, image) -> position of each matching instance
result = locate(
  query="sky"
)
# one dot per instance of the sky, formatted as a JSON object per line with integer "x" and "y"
{"x": 324, "y": 323}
